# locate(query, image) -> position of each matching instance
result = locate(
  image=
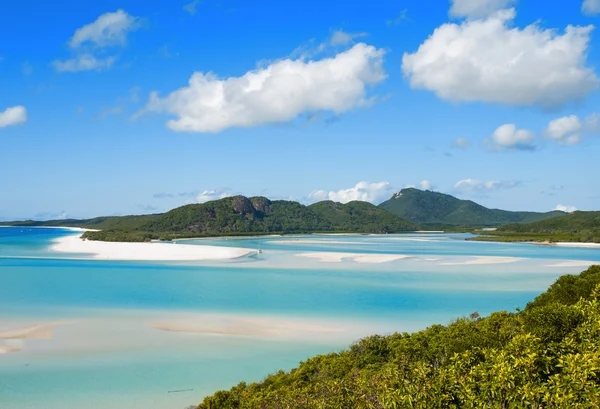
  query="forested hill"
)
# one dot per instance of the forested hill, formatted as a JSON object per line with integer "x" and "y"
{"x": 546, "y": 356}
{"x": 240, "y": 215}
{"x": 576, "y": 226}
{"x": 438, "y": 209}
{"x": 100, "y": 223}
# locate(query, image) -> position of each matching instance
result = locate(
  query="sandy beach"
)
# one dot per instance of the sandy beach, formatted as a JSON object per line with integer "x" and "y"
{"x": 255, "y": 326}
{"x": 484, "y": 260}
{"x": 582, "y": 245}
{"x": 357, "y": 257}
{"x": 573, "y": 263}
{"x": 145, "y": 251}
{"x": 41, "y": 331}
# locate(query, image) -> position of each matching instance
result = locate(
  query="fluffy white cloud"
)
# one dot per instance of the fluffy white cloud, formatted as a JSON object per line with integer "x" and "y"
{"x": 490, "y": 60}
{"x": 591, "y": 7}
{"x": 274, "y": 94}
{"x": 567, "y": 209}
{"x": 13, "y": 116}
{"x": 190, "y": 8}
{"x": 565, "y": 130}
{"x": 208, "y": 195}
{"x": 363, "y": 191}
{"x": 481, "y": 186}
{"x": 426, "y": 185}
{"x": 108, "y": 30}
{"x": 84, "y": 62}
{"x": 569, "y": 130}
{"x": 461, "y": 143}
{"x": 508, "y": 136}
{"x": 477, "y": 8}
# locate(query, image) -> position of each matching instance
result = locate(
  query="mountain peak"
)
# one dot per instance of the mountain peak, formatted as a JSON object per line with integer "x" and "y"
{"x": 433, "y": 208}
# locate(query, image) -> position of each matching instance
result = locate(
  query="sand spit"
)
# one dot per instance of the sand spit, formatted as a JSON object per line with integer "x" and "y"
{"x": 328, "y": 257}
{"x": 300, "y": 241}
{"x": 11, "y": 340}
{"x": 572, "y": 263}
{"x": 582, "y": 245}
{"x": 484, "y": 260}
{"x": 41, "y": 331}
{"x": 145, "y": 251}
{"x": 217, "y": 324}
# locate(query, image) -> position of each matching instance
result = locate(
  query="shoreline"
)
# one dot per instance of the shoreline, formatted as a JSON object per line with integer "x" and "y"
{"x": 102, "y": 250}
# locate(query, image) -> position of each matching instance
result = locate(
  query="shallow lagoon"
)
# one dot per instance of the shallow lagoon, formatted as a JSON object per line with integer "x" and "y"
{"x": 163, "y": 335}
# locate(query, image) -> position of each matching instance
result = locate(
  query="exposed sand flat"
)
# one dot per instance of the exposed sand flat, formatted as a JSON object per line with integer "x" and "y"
{"x": 357, "y": 257}
{"x": 572, "y": 263}
{"x": 320, "y": 242}
{"x": 7, "y": 349}
{"x": 41, "y": 331}
{"x": 220, "y": 324}
{"x": 583, "y": 245}
{"x": 145, "y": 251}
{"x": 484, "y": 260}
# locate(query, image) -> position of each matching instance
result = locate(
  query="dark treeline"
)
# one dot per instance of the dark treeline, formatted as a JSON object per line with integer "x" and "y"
{"x": 239, "y": 216}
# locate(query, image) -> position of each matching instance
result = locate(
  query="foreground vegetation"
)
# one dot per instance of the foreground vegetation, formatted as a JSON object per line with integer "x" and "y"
{"x": 581, "y": 227}
{"x": 546, "y": 356}
{"x": 441, "y": 210}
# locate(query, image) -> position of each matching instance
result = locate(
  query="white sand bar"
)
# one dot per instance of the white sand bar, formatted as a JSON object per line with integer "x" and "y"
{"x": 484, "y": 260}
{"x": 222, "y": 324}
{"x": 572, "y": 263}
{"x": 583, "y": 245}
{"x": 145, "y": 251}
{"x": 41, "y": 331}
{"x": 328, "y": 257}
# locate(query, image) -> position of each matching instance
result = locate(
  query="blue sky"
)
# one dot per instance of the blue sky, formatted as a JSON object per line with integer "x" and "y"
{"x": 123, "y": 107}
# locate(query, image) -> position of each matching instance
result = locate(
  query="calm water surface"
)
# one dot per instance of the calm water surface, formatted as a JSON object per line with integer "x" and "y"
{"x": 258, "y": 314}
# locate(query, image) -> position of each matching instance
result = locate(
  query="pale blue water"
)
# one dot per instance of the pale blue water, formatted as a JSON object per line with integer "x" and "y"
{"x": 109, "y": 356}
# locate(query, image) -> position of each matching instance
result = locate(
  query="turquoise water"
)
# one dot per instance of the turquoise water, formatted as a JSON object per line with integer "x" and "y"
{"x": 256, "y": 314}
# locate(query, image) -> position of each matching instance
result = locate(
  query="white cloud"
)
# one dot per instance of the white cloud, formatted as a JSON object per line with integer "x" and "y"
{"x": 565, "y": 130}
{"x": 592, "y": 123}
{"x": 591, "y": 7}
{"x": 508, "y": 136}
{"x": 363, "y": 191}
{"x": 84, "y": 62}
{"x": 426, "y": 185}
{"x": 478, "y": 8}
{"x": 402, "y": 17}
{"x": 489, "y": 60}
{"x": 109, "y": 29}
{"x": 273, "y": 94}
{"x": 190, "y": 8}
{"x": 13, "y": 116}
{"x": 461, "y": 143}
{"x": 569, "y": 130}
{"x": 566, "y": 209}
{"x": 340, "y": 37}
{"x": 208, "y": 195}
{"x": 481, "y": 186}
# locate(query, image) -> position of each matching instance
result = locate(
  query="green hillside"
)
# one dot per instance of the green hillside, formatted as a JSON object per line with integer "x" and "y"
{"x": 239, "y": 215}
{"x": 578, "y": 226}
{"x": 100, "y": 223}
{"x": 360, "y": 217}
{"x": 546, "y": 356}
{"x": 438, "y": 209}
